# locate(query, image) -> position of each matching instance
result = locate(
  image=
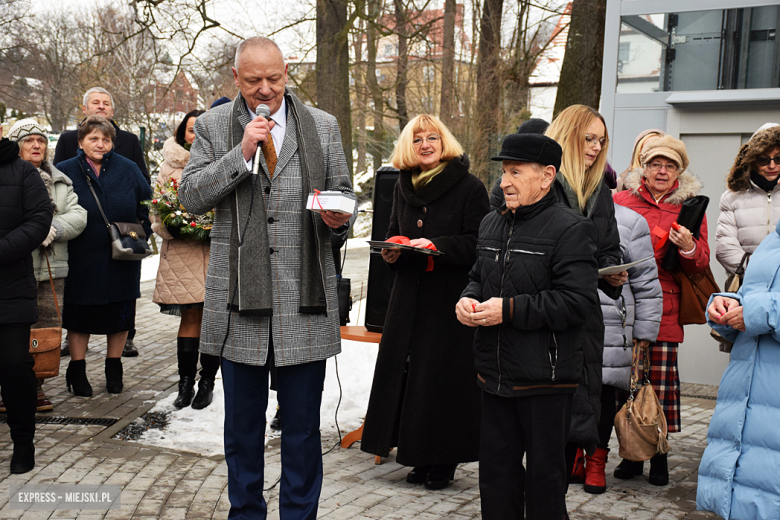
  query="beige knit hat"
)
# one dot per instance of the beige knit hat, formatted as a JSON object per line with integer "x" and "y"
{"x": 669, "y": 147}
{"x": 25, "y": 128}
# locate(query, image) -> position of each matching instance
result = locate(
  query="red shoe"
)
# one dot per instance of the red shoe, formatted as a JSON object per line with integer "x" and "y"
{"x": 578, "y": 471}
{"x": 595, "y": 479}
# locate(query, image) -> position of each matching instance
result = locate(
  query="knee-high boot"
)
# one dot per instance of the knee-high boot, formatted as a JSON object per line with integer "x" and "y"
{"x": 187, "y": 355}
{"x": 208, "y": 373}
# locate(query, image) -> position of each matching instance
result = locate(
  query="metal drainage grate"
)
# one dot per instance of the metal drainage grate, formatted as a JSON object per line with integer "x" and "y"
{"x": 42, "y": 419}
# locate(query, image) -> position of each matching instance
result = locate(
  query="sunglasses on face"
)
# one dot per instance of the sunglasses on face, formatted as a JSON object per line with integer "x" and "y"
{"x": 592, "y": 140}
{"x": 763, "y": 160}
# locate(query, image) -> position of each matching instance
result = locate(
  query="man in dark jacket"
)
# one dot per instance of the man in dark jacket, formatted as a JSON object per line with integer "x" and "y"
{"x": 530, "y": 292}
{"x": 25, "y": 221}
{"x": 98, "y": 101}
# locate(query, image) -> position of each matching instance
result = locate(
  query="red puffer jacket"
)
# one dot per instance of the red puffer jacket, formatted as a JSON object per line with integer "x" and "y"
{"x": 662, "y": 214}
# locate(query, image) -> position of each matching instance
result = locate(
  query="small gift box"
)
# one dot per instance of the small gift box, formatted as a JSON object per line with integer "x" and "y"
{"x": 331, "y": 201}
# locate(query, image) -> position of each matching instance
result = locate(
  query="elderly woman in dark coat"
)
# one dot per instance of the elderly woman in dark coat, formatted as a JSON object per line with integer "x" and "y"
{"x": 100, "y": 292}
{"x": 424, "y": 398}
{"x": 25, "y": 221}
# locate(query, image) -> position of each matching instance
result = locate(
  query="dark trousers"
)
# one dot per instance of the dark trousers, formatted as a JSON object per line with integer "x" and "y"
{"x": 246, "y": 399}
{"x": 612, "y": 399}
{"x": 17, "y": 381}
{"x": 534, "y": 426}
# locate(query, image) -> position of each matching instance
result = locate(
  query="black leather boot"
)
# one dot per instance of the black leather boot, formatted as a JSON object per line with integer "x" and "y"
{"x": 23, "y": 459}
{"x": 187, "y": 357}
{"x": 659, "y": 470}
{"x": 208, "y": 372}
{"x": 439, "y": 477}
{"x": 628, "y": 469}
{"x": 114, "y": 375}
{"x": 76, "y": 378}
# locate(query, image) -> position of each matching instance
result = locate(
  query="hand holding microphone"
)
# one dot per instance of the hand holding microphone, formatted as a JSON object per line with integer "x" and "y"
{"x": 257, "y": 131}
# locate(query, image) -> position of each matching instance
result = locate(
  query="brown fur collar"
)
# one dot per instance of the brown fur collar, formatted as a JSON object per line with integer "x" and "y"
{"x": 739, "y": 176}
{"x": 689, "y": 186}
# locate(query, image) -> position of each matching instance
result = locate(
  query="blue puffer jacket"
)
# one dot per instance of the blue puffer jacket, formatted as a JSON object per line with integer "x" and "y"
{"x": 739, "y": 476}
{"x": 637, "y": 313}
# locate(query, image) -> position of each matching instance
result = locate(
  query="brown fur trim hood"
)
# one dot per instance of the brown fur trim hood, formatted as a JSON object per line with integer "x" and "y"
{"x": 739, "y": 176}
{"x": 689, "y": 186}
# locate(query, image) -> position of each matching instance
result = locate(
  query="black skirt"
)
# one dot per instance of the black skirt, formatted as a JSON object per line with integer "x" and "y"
{"x": 99, "y": 319}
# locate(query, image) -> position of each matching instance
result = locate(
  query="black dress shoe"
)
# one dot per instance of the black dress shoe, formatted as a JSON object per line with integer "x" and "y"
{"x": 23, "y": 459}
{"x": 186, "y": 392}
{"x": 418, "y": 475}
{"x": 205, "y": 394}
{"x": 276, "y": 422}
{"x": 628, "y": 469}
{"x": 439, "y": 477}
{"x": 129, "y": 350}
{"x": 659, "y": 470}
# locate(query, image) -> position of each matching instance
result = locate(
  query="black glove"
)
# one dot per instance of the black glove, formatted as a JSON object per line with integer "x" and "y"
{"x": 174, "y": 231}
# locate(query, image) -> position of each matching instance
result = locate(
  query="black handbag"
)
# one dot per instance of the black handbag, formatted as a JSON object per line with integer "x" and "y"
{"x": 128, "y": 239}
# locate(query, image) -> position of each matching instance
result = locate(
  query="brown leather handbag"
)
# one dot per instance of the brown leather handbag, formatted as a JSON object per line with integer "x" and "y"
{"x": 695, "y": 292}
{"x": 45, "y": 343}
{"x": 641, "y": 424}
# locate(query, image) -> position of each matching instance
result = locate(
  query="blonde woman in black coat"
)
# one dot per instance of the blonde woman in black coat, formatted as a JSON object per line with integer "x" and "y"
{"x": 425, "y": 400}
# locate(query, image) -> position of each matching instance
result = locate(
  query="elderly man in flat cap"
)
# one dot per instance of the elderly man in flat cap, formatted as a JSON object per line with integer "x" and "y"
{"x": 530, "y": 292}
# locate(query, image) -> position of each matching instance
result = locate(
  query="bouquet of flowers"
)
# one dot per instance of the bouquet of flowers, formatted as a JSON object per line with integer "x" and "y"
{"x": 165, "y": 205}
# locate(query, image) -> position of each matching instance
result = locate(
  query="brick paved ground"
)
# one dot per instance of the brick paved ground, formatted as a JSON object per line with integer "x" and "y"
{"x": 169, "y": 484}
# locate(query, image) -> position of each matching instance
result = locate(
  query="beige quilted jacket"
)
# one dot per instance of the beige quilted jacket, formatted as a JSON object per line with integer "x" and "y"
{"x": 181, "y": 277}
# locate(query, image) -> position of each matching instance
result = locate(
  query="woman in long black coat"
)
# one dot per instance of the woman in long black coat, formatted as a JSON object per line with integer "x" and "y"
{"x": 424, "y": 399}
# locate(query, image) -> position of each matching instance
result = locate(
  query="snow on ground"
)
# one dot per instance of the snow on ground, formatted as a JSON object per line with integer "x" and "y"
{"x": 201, "y": 431}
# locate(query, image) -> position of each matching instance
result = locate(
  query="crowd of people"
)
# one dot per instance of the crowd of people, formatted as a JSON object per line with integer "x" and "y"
{"x": 507, "y": 344}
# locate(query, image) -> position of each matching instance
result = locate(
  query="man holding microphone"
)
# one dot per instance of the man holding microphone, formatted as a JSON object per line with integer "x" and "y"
{"x": 271, "y": 284}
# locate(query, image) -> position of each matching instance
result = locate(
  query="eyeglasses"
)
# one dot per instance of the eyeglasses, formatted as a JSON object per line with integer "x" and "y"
{"x": 656, "y": 166}
{"x": 763, "y": 160}
{"x": 432, "y": 139}
{"x": 592, "y": 140}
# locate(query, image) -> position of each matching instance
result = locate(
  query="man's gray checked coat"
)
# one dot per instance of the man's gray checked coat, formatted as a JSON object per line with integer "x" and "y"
{"x": 211, "y": 175}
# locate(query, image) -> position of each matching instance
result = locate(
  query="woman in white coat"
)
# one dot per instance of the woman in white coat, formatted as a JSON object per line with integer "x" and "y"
{"x": 750, "y": 208}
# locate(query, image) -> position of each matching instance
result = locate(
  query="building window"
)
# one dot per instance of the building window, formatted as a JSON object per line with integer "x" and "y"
{"x": 701, "y": 50}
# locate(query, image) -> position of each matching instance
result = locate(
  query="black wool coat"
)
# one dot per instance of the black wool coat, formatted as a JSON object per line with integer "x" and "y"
{"x": 430, "y": 412}
{"x": 586, "y": 409}
{"x": 25, "y": 220}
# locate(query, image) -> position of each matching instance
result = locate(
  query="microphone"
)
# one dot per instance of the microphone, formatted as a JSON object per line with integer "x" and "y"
{"x": 264, "y": 111}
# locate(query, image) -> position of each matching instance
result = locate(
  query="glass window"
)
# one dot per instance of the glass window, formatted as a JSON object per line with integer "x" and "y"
{"x": 702, "y": 50}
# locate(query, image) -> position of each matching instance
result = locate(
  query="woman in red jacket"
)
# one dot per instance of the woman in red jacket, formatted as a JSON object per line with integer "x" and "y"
{"x": 657, "y": 193}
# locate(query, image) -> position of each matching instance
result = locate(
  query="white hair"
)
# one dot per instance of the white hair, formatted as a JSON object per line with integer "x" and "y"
{"x": 97, "y": 90}
{"x": 255, "y": 41}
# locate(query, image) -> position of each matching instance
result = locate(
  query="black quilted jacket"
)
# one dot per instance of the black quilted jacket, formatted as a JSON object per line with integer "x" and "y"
{"x": 542, "y": 261}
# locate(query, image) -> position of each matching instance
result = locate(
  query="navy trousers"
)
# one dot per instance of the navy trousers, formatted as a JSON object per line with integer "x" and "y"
{"x": 299, "y": 394}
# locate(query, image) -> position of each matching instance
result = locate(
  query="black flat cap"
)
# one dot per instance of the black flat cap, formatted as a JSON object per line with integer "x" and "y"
{"x": 530, "y": 148}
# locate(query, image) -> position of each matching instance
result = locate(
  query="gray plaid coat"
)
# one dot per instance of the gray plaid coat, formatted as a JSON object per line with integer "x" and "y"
{"x": 212, "y": 173}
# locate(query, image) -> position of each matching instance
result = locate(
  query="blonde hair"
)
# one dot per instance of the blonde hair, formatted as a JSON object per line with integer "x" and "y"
{"x": 569, "y": 129}
{"x": 636, "y": 162}
{"x": 404, "y": 156}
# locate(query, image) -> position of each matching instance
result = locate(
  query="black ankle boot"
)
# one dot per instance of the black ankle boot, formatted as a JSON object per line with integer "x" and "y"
{"x": 23, "y": 459}
{"x": 76, "y": 378}
{"x": 205, "y": 394}
{"x": 439, "y": 477}
{"x": 114, "y": 375}
{"x": 659, "y": 470}
{"x": 186, "y": 392}
{"x": 628, "y": 469}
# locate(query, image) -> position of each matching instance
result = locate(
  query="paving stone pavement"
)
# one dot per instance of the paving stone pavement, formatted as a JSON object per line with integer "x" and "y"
{"x": 169, "y": 484}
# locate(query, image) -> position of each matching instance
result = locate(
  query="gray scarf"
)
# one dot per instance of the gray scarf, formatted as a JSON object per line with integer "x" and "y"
{"x": 250, "y": 261}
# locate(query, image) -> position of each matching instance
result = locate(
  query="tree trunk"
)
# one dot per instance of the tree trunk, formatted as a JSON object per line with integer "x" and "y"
{"x": 488, "y": 88}
{"x": 580, "y": 81}
{"x": 446, "y": 107}
{"x": 373, "y": 87}
{"x": 360, "y": 95}
{"x": 402, "y": 63}
{"x": 333, "y": 68}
